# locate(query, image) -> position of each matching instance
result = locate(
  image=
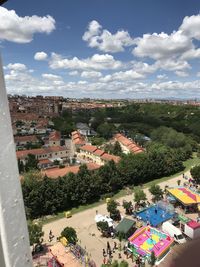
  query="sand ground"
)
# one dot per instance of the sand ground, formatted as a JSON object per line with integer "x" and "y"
{"x": 84, "y": 223}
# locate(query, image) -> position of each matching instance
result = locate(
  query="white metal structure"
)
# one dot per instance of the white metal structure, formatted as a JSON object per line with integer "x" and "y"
{"x": 14, "y": 241}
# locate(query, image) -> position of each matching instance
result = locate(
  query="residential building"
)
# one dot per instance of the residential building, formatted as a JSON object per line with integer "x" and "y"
{"x": 128, "y": 145}
{"x": 21, "y": 141}
{"x": 55, "y": 138}
{"x": 96, "y": 155}
{"x": 54, "y": 152}
{"x": 77, "y": 140}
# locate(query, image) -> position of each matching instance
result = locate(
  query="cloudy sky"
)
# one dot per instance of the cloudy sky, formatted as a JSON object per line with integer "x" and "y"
{"x": 102, "y": 48}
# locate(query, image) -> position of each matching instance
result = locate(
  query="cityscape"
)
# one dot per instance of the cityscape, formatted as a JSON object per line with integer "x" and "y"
{"x": 100, "y": 133}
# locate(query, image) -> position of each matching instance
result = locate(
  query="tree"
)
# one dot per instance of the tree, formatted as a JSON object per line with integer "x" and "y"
{"x": 103, "y": 227}
{"x": 70, "y": 234}
{"x": 153, "y": 258}
{"x": 35, "y": 234}
{"x": 128, "y": 207}
{"x": 31, "y": 163}
{"x": 117, "y": 149}
{"x": 156, "y": 191}
{"x": 195, "y": 172}
{"x": 20, "y": 166}
{"x": 139, "y": 196}
{"x": 123, "y": 264}
{"x": 112, "y": 209}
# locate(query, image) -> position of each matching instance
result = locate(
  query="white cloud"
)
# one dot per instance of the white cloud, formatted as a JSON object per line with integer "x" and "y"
{"x": 181, "y": 73}
{"x": 21, "y": 29}
{"x": 190, "y": 26}
{"x": 40, "y": 56}
{"x": 128, "y": 75}
{"x": 120, "y": 84}
{"x": 172, "y": 65}
{"x": 50, "y": 76}
{"x": 106, "y": 41}
{"x": 96, "y": 62}
{"x": 162, "y": 76}
{"x": 91, "y": 74}
{"x": 159, "y": 46}
{"x": 73, "y": 73}
{"x": 16, "y": 67}
{"x": 177, "y": 45}
{"x": 198, "y": 74}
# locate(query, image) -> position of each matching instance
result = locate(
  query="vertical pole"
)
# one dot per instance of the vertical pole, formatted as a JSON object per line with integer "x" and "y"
{"x": 14, "y": 240}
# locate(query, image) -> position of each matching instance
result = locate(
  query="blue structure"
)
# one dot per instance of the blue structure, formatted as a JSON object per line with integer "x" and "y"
{"x": 155, "y": 215}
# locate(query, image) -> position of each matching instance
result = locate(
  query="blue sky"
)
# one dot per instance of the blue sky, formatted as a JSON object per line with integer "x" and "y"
{"x": 102, "y": 49}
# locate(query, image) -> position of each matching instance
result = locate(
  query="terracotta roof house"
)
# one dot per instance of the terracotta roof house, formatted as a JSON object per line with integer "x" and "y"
{"x": 128, "y": 145}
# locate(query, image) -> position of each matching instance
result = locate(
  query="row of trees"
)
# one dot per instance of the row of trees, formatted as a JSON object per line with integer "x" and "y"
{"x": 43, "y": 196}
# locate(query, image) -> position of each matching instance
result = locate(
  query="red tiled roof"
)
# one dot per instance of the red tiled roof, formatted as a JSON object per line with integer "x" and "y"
{"x": 99, "y": 152}
{"x": 55, "y": 136}
{"x": 132, "y": 146}
{"x": 56, "y": 172}
{"x": 39, "y": 151}
{"x": 26, "y": 138}
{"x": 89, "y": 148}
{"x": 44, "y": 161}
{"x": 108, "y": 157}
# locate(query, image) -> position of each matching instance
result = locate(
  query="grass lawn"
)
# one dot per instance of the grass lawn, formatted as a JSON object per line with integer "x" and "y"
{"x": 188, "y": 164}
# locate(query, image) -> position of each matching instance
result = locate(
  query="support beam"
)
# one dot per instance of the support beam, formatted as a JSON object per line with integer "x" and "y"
{"x": 14, "y": 243}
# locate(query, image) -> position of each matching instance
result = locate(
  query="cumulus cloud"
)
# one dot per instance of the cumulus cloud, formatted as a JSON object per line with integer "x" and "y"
{"x": 73, "y": 73}
{"x": 106, "y": 41}
{"x": 96, "y": 62}
{"x": 50, "y": 76}
{"x": 116, "y": 85}
{"x": 40, "y": 56}
{"x": 181, "y": 73}
{"x": 16, "y": 67}
{"x": 91, "y": 74}
{"x": 177, "y": 45}
{"x": 21, "y": 29}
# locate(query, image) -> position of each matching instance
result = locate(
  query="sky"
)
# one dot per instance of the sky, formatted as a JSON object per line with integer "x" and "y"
{"x": 101, "y": 48}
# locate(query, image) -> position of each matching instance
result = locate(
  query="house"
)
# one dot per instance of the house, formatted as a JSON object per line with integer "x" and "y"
{"x": 77, "y": 140}
{"x": 21, "y": 141}
{"x": 96, "y": 155}
{"x": 84, "y": 129}
{"x": 55, "y": 138}
{"x": 127, "y": 145}
{"x": 53, "y": 153}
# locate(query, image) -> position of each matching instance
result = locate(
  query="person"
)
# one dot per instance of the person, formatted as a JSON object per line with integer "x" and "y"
{"x": 183, "y": 175}
{"x": 115, "y": 245}
{"x": 108, "y": 247}
{"x": 104, "y": 252}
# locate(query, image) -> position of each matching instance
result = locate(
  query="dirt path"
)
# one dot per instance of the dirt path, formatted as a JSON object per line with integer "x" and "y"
{"x": 85, "y": 225}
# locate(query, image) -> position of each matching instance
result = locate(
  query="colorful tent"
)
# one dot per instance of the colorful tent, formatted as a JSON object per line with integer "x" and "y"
{"x": 184, "y": 195}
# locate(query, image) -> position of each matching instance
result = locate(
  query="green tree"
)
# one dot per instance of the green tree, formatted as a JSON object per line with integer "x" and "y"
{"x": 70, "y": 234}
{"x": 195, "y": 172}
{"x": 123, "y": 263}
{"x": 128, "y": 207}
{"x": 156, "y": 191}
{"x": 139, "y": 196}
{"x": 35, "y": 234}
{"x": 112, "y": 209}
{"x": 153, "y": 258}
{"x": 106, "y": 130}
{"x": 31, "y": 163}
{"x": 20, "y": 166}
{"x": 103, "y": 227}
{"x": 117, "y": 149}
